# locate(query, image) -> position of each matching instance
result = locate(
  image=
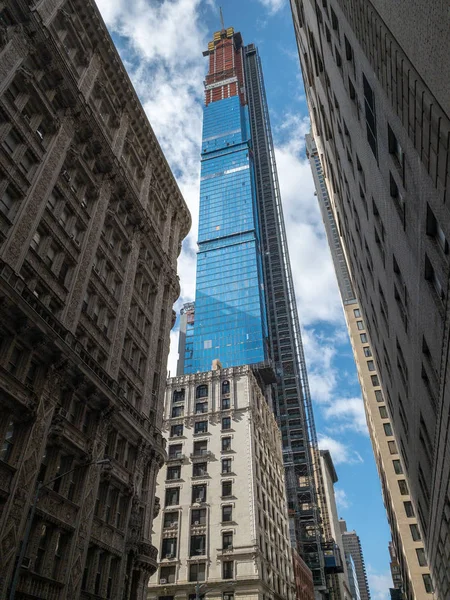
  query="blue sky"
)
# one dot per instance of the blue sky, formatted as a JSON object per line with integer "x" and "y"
{"x": 161, "y": 43}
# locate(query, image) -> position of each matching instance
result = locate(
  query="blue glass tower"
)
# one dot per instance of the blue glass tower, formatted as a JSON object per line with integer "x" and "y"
{"x": 230, "y": 318}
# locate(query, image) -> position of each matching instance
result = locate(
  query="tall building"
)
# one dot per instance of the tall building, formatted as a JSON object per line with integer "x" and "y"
{"x": 376, "y": 79}
{"x": 408, "y": 544}
{"x": 352, "y": 546}
{"x": 334, "y": 554}
{"x": 91, "y": 222}
{"x": 223, "y": 530}
{"x": 245, "y": 308}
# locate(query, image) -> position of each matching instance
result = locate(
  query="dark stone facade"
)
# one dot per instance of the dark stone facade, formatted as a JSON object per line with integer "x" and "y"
{"x": 91, "y": 224}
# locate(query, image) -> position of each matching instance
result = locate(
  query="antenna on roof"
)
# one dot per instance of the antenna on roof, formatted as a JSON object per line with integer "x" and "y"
{"x": 221, "y": 18}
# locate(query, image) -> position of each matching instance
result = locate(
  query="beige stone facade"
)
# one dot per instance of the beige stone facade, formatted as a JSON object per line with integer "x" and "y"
{"x": 381, "y": 123}
{"x": 224, "y": 516}
{"x": 91, "y": 223}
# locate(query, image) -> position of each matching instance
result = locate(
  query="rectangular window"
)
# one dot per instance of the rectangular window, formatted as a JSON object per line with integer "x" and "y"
{"x": 200, "y": 448}
{"x": 395, "y": 150}
{"x": 397, "y": 467}
{"x": 226, "y": 423}
{"x": 174, "y": 472}
{"x": 421, "y": 558}
{"x": 167, "y": 575}
{"x": 409, "y": 510}
{"x": 403, "y": 487}
{"x": 375, "y": 380}
{"x": 176, "y": 430}
{"x": 367, "y": 351}
{"x": 357, "y": 312}
{"x": 172, "y": 496}
{"x": 387, "y": 429}
{"x": 198, "y": 545}
{"x": 198, "y": 516}
{"x": 199, "y": 469}
{"x": 226, "y": 403}
{"x": 170, "y": 519}
{"x": 363, "y": 337}
{"x": 201, "y": 407}
{"x": 427, "y": 583}
{"x": 435, "y": 231}
{"x": 175, "y": 450}
{"x": 227, "y": 489}
{"x": 198, "y": 493}
{"x": 369, "y": 106}
{"x": 415, "y": 533}
{"x": 226, "y": 465}
{"x": 383, "y": 412}
{"x": 371, "y": 365}
{"x": 227, "y": 514}
{"x": 177, "y": 411}
{"x": 197, "y": 571}
{"x": 379, "y": 396}
{"x": 392, "y": 447}
{"x": 226, "y": 444}
{"x": 8, "y": 442}
{"x": 227, "y": 540}
{"x": 228, "y": 569}
{"x": 360, "y": 325}
{"x": 169, "y": 547}
{"x": 433, "y": 278}
{"x": 201, "y": 427}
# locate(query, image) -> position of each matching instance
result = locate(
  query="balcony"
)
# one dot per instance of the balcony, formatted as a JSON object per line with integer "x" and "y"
{"x": 200, "y": 454}
{"x": 147, "y": 558}
{"x": 178, "y": 457}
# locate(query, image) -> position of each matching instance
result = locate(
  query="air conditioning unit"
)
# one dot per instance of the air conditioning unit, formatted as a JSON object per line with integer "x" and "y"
{"x": 26, "y": 562}
{"x": 199, "y": 500}
{"x": 196, "y": 522}
{"x": 163, "y": 581}
{"x": 169, "y": 555}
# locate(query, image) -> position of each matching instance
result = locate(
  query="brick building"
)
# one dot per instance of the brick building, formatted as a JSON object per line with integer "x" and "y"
{"x": 91, "y": 223}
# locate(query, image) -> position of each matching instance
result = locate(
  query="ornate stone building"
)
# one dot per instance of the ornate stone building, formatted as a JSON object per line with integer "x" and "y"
{"x": 91, "y": 222}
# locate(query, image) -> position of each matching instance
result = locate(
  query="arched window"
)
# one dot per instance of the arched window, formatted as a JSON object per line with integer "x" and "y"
{"x": 178, "y": 395}
{"x": 225, "y": 387}
{"x": 202, "y": 391}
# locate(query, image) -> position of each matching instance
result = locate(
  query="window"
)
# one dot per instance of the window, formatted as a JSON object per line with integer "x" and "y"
{"x": 197, "y": 545}
{"x": 360, "y": 325}
{"x": 167, "y": 575}
{"x": 177, "y": 411}
{"x": 334, "y": 21}
{"x": 226, "y": 423}
{"x": 433, "y": 278}
{"x": 395, "y": 150}
{"x": 8, "y": 442}
{"x": 392, "y": 447}
{"x": 201, "y": 407}
{"x": 375, "y": 380}
{"x": 228, "y": 596}
{"x": 387, "y": 429}
{"x": 348, "y": 49}
{"x": 226, "y": 403}
{"x": 427, "y": 583}
{"x": 422, "y": 559}
{"x": 409, "y": 510}
{"x": 199, "y": 469}
{"x": 403, "y": 487}
{"x": 227, "y": 514}
{"x": 199, "y": 493}
{"x": 379, "y": 396}
{"x": 397, "y": 467}
{"x": 15, "y": 360}
{"x": 225, "y": 387}
{"x": 369, "y": 107}
{"x": 227, "y": 540}
{"x": 435, "y": 231}
{"x": 415, "y": 533}
{"x": 197, "y": 571}
{"x": 174, "y": 472}
{"x": 176, "y": 430}
{"x": 178, "y": 395}
{"x": 201, "y": 391}
{"x": 172, "y": 496}
{"x": 383, "y": 412}
{"x": 371, "y": 365}
{"x": 367, "y": 351}
{"x": 198, "y": 516}
{"x": 357, "y": 312}
{"x": 175, "y": 450}
{"x": 9, "y": 201}
{"x": 201, "y": 427}
{"x": 226, "y": 465}
{"x": 227, "y": 489}
{"x": 228, "y": 569}
{"x": 170, "y": 519}
{"x": 200, "y": 448}
{"x": 169, "y": 547}
{"x": 226, "y": 444}
{"x": 363, "y": 337}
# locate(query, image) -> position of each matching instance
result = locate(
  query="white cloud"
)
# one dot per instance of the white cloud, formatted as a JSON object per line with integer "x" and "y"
{"x": 347, "y": 413}
{"x": 342, "y": 500}
{"x": 379, "y": 584}
{"x": 340, "y": 452}
{"x": 273, "y": 5}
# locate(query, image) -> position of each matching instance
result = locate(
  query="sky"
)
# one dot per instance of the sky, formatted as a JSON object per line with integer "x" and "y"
{"x": 161, "y": 44}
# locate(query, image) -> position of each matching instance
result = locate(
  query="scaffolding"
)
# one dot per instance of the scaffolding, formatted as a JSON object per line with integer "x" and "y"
{"x": 292, "y": 401}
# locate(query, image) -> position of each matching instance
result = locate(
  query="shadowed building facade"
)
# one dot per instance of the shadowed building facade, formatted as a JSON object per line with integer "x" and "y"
{"x": 91, "y": 224}
{"x": 377, "y": 84}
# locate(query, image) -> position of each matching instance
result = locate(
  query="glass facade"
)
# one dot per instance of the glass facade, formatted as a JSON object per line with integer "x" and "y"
{"x": 230, "y": 320}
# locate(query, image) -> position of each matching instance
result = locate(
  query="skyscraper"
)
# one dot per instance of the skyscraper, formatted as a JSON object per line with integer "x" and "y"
{"x": 352, "y": 546}
{"x": 245, "y": 308}
{"x": 400, "y": 511}
{"x": 91, "y": 222}
{"x": 376, "y": 78}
